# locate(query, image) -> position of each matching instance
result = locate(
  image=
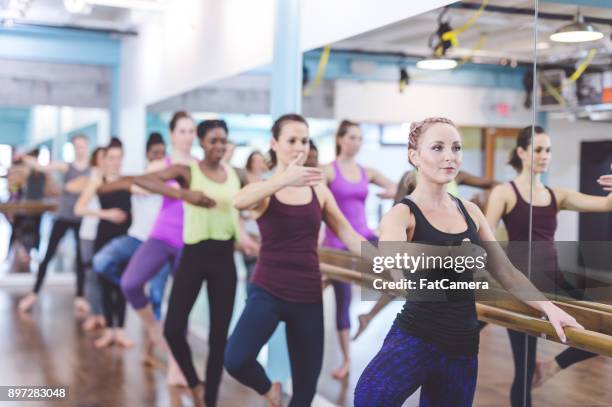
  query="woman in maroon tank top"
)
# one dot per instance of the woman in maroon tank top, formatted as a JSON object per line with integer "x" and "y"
{"x": 511, "y": 202}
{"x": 286, "y": 285}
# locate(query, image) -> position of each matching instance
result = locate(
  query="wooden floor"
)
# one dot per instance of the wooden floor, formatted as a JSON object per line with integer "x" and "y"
{"x": 50, "y": 349}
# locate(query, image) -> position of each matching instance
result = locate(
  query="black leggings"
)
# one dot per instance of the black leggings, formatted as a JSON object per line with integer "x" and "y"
{"x": 522, "y": 344}
{"x": 211, "y": 261}
{"x": 59, "y": 229}
{"x": 113, "y": 303}
{"x": 26, "y": 230}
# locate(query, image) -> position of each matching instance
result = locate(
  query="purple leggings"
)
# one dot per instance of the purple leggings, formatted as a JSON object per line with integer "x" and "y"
{"x": 343, "y": 295}
{"x": 144, "y": 265}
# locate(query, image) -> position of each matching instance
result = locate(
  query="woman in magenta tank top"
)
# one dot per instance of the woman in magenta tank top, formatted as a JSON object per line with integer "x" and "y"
{"x": 348, "y": 181}
{"x": 165, "y": 241}
{"x": 286, "y": 285}
{"x": 511, "y": 202}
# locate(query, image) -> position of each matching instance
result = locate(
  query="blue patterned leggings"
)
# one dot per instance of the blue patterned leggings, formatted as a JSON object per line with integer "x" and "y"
{"x": 406, "y": 363}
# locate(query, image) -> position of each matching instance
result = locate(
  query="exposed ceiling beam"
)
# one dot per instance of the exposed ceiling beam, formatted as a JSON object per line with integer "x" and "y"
{"x": 529, "y": 12}
{"x": 585, "y": 3}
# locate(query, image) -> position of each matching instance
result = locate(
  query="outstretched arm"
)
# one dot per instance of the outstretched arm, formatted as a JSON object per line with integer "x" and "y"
{"x": 579, "y": 202}
{"x": 377, "y": 178}
{"x": 515, "y": 282}
{"x": 465, "y": 178}
{"x": 81, "y": 208}
{"x": 53, "y": 166}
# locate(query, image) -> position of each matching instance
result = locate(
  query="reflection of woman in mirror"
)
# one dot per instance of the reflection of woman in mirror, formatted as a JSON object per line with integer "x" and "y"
{"x": 511, "y": 202}
{"x": 433, "y": 345}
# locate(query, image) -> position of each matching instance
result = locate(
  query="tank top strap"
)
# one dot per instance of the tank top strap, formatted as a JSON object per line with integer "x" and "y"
{"x": 168, "y": 161}
{"x": 468, "y": 219}
{"x": 516, "y": 192}
{"x": 364, "y": 176}
{"x": 337, "y": 173}
{"x": 553, "y": 198}
{"x": 315, "y": 199}
{"x": 414, "y": 208}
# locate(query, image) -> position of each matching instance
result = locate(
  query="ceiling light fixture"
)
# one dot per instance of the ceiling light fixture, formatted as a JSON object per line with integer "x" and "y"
{"x": 577, "y": 31}
{"x": 437, "y": 64}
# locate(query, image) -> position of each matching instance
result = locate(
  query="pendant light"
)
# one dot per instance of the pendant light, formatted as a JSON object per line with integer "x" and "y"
{"x": 437, "y": 63}
{"x": 577, "y": 31}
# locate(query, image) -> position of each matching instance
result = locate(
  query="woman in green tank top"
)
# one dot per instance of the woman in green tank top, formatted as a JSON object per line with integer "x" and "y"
{"x": 210, "y": 229}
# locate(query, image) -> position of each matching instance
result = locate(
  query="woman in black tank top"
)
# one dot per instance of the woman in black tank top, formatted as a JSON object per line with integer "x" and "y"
{"x": 115, "y": 219}
{"x": 434, "y": 345}
{"x": 512, "y": 203}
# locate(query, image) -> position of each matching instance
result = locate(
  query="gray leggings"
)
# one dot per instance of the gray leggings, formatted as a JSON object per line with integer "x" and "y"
{"x": 92, "y": 285}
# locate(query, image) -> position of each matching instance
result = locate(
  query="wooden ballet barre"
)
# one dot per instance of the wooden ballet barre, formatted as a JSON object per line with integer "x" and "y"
{"x": 515, "y": 315}
{"x": 591, "y": 319}
{"x": 584, "y": 339}
{"x": 26, "y": 207}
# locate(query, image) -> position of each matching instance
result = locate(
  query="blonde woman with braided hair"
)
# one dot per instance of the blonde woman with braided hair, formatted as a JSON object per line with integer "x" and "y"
{"x": 433, "y": 345}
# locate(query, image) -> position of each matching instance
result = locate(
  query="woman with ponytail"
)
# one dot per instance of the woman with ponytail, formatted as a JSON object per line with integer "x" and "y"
{"x": 512, "y": 202}
{"x": 349, "y": 182}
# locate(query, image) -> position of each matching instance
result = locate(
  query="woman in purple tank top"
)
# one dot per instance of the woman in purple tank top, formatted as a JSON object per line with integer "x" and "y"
{"x": 286, "y": 285}
{"x": 348, "y": 181}
{"x": 511, "y": 202}
{"x": 163, "y": 245}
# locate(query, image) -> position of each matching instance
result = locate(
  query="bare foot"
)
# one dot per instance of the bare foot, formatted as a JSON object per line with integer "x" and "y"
{"x": 197, "y": 395}
{"x": 148, "y": 355}
{"x": 93, "y": 322}
{"x": 123, "y": 340}
{"x": 27, "y": 302}
{"x": 544, "y": 371}
{"x": 342, "y": 372}
{"x": 81, "y": 307}
{"x": 106, "y": 339}
{"x": 156, "y": 338}
{"x": 274, "y": 395}
{"x": 175, "y": 396}
{"x": 364, "y": 321}
{"x": 174, "y": 376}
{"x": 152, "y": 361}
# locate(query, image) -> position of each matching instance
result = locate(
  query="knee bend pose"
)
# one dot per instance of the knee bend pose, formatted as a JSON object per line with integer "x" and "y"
{"x": 164, "y": 238}
{"x": 209, "y": 231}
{"x": 164, "y": 243}
{"x": 433, "y": 345}
{"x": 286, "y": 284}
{"x": 115, "y": 220}
{"x": 110, "y": 261}
{"x": 348, "y": 181}
{"x": 510, "y": 202}
{"x": 66, "y": 220}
